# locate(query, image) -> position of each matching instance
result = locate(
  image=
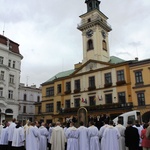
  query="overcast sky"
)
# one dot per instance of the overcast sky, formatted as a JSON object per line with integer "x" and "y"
{"x": 46, "y": 31}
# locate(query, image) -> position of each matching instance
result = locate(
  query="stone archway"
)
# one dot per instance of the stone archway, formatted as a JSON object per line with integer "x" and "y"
{"x": 146, "y": 116}
{"x": 82, "y": 115}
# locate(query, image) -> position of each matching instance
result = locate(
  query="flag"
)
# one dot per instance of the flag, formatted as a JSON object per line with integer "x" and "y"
{"x": 100, "y": 98}
{"x": 85, "y": 101}
{"x": 82, "y": 100}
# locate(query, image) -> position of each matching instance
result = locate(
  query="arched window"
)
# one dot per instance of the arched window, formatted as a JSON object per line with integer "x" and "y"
{"x": 104, "y": 45}
{"x": 8, "y": 111}
{"x": 89, "y": 45}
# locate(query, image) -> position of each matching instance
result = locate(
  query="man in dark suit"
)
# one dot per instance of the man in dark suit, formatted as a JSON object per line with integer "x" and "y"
{"x": 131, "y": 137}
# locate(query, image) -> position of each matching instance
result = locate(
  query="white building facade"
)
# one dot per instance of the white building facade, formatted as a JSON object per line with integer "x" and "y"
{"x": 10, "y": 68}
{"x": 28, "y": 96}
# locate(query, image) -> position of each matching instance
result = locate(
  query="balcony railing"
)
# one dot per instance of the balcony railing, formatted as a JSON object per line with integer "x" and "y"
{"x": 91, "y": 88}
{"x": 101, "y": 107}
{"x": 106, "y": 85}
{"x": 67, "y": 92}
{"x": 121, "y": 82}
{"x": 76, "y": 90}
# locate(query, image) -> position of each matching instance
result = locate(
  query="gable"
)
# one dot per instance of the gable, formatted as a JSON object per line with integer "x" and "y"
{"x": 91, "y": 65}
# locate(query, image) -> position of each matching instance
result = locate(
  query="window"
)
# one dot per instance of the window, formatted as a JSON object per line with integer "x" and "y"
{"x": 14, "y": 64}
{"x": 8, "y": 111}
{"x": 1, "y": 59}
{"x": 141, "y": 99}
{"x": 68, "y": 86}
{"x": 90, "y": 45}
{"x": 2, "y": 75}
{"x": 1, "y": 92}
{"x": 77, "y": 84}
{"x": 49, "y": 107}
{"x": 92, "y": 100}
{"x": 120, "y": 75}
{"x": 58, "y": 106}
{"x": 108, "y": 78}
{"x": 39, "y": 109}
{"x": 50, "y": 91}
{"x": 38, "y": 98}
{"x": 89, "y": 19}
{"x": 11, "y": 79}
{"x": 10, "y": 94}
{"x": 9, "y": 63}
{"x": 138, "y": 77}
{"x": 108, "y": 98}
{"x": 24, "y": 109}
{"x": 92, "y": 81}
{"x": 67, "y": 104}
{"x": 77, "y": 102}
{"x": 90, "y": 6}
{"x": 104, "y": 45}
{"x": 24, "y": 97}
{"x": 121, "y": 97}
{"x": 59, "y": 88}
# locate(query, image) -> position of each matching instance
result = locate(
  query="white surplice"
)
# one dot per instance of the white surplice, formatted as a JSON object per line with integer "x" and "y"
{"x": 4, "y": 136}
{"x": 101, "y": 132}
{"x": 72, "y": 135}
{"x": 32, "y": 138}
{"x": 111, "y": 138}
{"x": 11, "y": 131}
{"x": 83, "y": 138}
{"x": 18, "y": 137}
{"x": 43, "y": 138}
{"x": 94, "y": 138}
{"x": 121, "y": 130}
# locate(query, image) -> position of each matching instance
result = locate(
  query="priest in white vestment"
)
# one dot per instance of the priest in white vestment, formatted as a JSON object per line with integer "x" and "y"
{"x": 93, "y": 136}
{"x": 111, "y": 138}
{"x": 18, "y": 137}
{"x": 10, "y": 133}
{"x": 101, "y": 132}
{"x": 32, "y": 137}
{"x": 121, "y": 130}
{"x": 58, "y": 138}
{"x": 83, "y": 137}
{"x": 72, "y": 135}
{"x": 43, "y": 137}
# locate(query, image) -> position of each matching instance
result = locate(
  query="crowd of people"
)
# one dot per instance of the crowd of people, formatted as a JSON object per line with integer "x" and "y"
{"x": 36, "y": 136}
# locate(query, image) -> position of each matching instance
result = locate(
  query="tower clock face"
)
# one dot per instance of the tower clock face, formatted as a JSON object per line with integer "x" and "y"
{"x": 103, "y": 34}
{"x": 89, "y": 33}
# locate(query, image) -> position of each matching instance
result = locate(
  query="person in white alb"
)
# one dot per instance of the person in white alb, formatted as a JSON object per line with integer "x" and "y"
{"x": 18, "y": 137}
{"x": 4, "y": 137}
{"x": 43, "y": 136}
{"x": 32, "y": 137}
{"x": 10, "y": 133}
{"x": 121, "y": 130}
{"x": 83, "y": 137}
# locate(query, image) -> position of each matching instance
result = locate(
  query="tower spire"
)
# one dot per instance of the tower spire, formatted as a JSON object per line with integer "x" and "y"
{"x": 92, "y": 4}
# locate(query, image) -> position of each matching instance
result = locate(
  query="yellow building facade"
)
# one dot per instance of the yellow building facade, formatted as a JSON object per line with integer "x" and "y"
{"x": 102, "y": 84}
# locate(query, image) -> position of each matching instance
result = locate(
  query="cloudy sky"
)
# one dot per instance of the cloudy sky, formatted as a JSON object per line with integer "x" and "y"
{"x": 46, "y": 31}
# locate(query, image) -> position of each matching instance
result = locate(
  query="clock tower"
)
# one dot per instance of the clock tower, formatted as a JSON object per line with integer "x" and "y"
{"x": 95, "y": 29}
